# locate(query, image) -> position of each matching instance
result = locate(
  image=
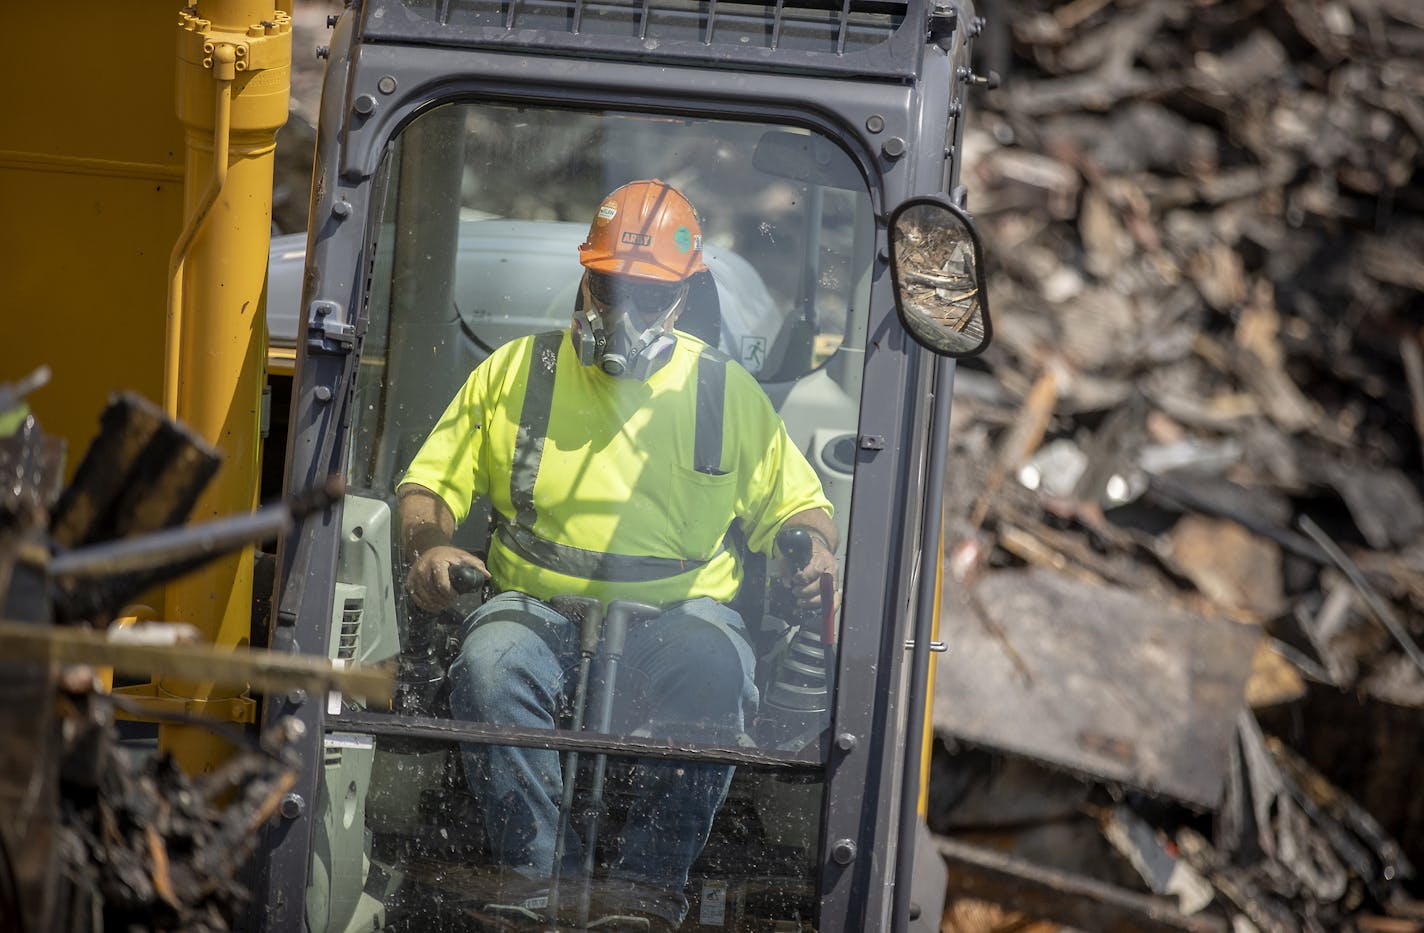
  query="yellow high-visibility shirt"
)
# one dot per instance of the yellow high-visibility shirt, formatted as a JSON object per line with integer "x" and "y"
{"x": 616, "y": 474}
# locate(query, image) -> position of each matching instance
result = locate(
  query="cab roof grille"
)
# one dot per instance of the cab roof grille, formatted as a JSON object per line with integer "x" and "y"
{"x": 858, "y": 36}
{"x": 861, "y": 23}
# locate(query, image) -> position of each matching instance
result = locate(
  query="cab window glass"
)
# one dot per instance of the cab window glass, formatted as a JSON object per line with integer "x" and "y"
{"x": 636, "y": 581}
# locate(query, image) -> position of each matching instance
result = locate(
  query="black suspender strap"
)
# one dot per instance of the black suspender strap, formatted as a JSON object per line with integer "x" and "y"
{"x": 533, "y": 425}
{"x": 519, "y": 535}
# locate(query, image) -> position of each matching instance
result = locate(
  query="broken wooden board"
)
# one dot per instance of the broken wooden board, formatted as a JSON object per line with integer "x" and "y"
{"x": 1096, "y": 680}
{"x": 262, "y": 670}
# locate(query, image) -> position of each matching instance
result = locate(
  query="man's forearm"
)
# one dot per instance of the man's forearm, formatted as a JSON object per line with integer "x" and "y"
{"x": 425, "y": 521}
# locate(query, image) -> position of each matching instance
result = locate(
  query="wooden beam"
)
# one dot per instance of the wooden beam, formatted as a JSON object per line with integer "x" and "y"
{"x": 262, "y": 670}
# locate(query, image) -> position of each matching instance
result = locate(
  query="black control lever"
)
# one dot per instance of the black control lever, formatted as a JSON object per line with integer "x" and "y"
{"x": 621, "y": 614}
{"x": 796, "y": 700}
{"x": 466, "y": 579}
{"x": 428, "y": 645}
{"x": 796, "y": 544}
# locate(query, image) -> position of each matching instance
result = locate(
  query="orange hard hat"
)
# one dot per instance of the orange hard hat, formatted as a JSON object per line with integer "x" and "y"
{"x": 646, "y": 230}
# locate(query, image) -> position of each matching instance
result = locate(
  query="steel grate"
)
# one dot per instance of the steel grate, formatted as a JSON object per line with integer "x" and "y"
{"x": 834, "y": 27}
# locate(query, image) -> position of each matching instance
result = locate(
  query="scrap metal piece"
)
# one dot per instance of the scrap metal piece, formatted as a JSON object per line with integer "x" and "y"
{"x": 1259, "y": 511}
{"x": 1376, "y": 605}
{"x": 1382, "y": 501}
{"x": 1258, "y": 908}
{"x": 1341, "y": 816}
{"x": 1063, "y": 897}
{"x": 93, "y": 582}
{"x": 12, "y": 394}
{"x": 29, "y": 801}
{"x": 1164, "y": 872}
{"x": 30, "y": 465}
{"x": 1291, "y": 851}
{"x": 1263, "y": 819}
{"x": 1118, "y": 687}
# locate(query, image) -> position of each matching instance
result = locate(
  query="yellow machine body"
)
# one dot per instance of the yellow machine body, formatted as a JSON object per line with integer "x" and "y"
{"x": 91, "y": 176}
{"x": 138, "y": 194}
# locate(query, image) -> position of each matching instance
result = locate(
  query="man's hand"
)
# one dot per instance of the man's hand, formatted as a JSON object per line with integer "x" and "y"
{"x": 428, "y": 581}
{"x": 805, "y": 584}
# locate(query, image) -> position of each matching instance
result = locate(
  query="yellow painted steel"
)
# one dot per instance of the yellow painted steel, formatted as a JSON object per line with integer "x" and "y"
{"x": 224, "y": 67}
{"x": 91, "y": 183}
{"x": 281, "y": 361}
{"x": 97, "y": 176}
{"x": 220, "y": 319}
{"x": 928, "y": 737}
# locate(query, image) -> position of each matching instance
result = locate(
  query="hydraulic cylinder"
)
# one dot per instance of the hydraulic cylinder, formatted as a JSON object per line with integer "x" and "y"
{"x": 234, "y": 83}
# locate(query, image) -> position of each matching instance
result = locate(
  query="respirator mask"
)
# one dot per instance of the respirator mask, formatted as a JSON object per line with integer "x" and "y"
{"x": 621, "y": 323}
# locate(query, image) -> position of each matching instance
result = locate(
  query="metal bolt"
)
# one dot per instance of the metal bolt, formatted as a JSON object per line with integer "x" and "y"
{"x": 845, "y": 742}
{"x": 365, "y": 105}
{"x": 292, "y": 806}
{"x": 842, "y": 850}
{"x": 341, "y": 208}
{"x": 875, "y": 123}
{"x": 894, "y": 147}
{"x": 387, "y": 84}
{"x": 323, "y": 393}
{"x": 323, "y": 51}
{"x": 296, "y": 696}
{"x": 332, "y": 19}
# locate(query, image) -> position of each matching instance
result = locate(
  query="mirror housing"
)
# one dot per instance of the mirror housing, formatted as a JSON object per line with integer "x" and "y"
{"x": 937, "y": 267}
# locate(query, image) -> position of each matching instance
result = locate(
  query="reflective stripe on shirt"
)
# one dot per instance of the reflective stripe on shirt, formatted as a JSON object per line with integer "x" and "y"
{"x": 520, "y": 537}
{"x": 625, "y": 467}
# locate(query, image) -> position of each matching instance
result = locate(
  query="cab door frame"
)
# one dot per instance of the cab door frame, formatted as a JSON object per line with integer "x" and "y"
{"x": 866, "y": 762}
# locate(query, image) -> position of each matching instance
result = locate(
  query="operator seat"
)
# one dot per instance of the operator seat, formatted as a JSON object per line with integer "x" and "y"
{"x": 702, "y": 317}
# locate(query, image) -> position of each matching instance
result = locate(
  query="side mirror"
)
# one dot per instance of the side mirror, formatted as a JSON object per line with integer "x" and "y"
{"x": 937, "y": 265}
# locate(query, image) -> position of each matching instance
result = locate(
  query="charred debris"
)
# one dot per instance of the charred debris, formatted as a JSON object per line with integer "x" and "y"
{"x": 96, "y": 834}
{"x": 1185, "y": 686}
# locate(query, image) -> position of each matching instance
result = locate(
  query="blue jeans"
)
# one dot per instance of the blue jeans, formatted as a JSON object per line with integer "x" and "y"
{"x": 686, "y": 674}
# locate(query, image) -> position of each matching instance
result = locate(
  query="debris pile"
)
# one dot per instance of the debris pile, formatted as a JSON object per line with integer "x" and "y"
{"x": 1186, "y": 517}
{"x": 144, "y": 845}
{"x": 97, "y": 833}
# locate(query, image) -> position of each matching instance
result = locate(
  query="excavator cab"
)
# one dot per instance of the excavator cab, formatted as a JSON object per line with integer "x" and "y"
{"x": 464, "y": 147}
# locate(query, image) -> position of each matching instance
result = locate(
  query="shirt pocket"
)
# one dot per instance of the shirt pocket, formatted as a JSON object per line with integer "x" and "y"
{"x": 700, "y": 509}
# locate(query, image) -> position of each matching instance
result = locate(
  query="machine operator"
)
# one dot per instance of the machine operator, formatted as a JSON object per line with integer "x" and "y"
{"x": 618, "y": 454}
